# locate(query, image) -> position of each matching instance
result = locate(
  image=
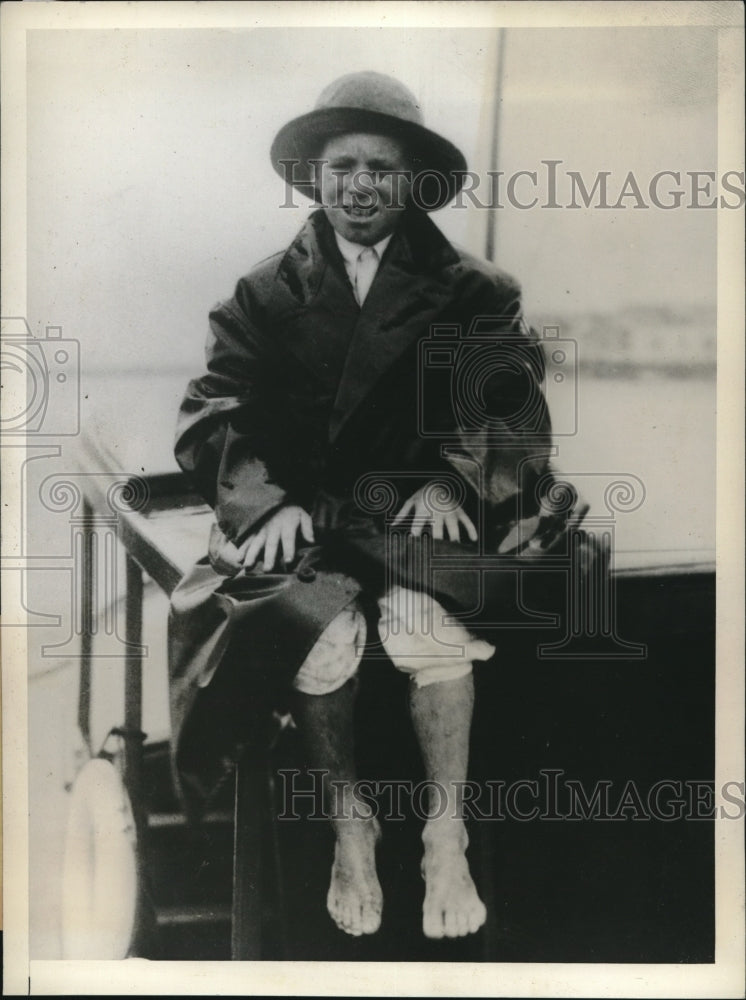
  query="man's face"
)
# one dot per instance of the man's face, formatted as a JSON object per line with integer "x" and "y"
{"x": 361, "y": 193}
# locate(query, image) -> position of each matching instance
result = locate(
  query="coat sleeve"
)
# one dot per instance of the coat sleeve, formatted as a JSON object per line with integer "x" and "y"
{"x": 505, "y": 429}
{"x": 226, "y": 464}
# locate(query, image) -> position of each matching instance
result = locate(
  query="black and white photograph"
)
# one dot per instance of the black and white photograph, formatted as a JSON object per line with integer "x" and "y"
{"x": 372, "y": 452}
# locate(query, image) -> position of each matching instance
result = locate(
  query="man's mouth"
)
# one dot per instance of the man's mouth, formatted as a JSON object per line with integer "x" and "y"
{"x": 358, "y": 212}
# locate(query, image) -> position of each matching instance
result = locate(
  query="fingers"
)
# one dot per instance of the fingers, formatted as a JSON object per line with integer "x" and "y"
{"x": 288, "y": 531}
{"x": 441, "y": 524}
{"x": 467, "y": 522}
{"x": 254, "y": 545}
{"x": 270, "y": 545}
{"x": 444, "y": 525}
{"x": 452, "y": 522}
{"x": 289, "y": 522}
{"x": 405, "y": 510}
{"x": 447, "y": 521}
{"x": 243, "y": 549}
{"x": 306, "y": 526}
{"x": 279, "y": 531}
{"x": 510, "y": 541}
{"x": 420, "y": 518}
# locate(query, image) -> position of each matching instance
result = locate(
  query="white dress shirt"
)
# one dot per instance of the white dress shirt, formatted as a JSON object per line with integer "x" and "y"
{"x": 361, "y": 273}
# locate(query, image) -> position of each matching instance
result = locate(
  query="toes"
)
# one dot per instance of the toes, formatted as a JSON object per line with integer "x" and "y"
{"x": 452, "y": 908}
{"x": 451, "y": 923}
{"x": 371, "y": 918}
{"x": 332, "y": 905}
{"x": 354, "y": 897}
{"x": 352, "y": 921}
{"x": 355, "y": 921}
{"x": 477, "y": 916}
{"x": 339, "y": 912}
{"x": 432, "y": 922}
{"x": 346, "y": 921}
{"x": 354, "y": 917}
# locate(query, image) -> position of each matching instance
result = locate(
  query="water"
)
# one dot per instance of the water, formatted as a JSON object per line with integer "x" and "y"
{"x": 658, "y": 429}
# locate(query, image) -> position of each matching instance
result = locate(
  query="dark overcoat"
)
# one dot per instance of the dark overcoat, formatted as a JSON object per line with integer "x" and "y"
{"x": 346, "y": 411}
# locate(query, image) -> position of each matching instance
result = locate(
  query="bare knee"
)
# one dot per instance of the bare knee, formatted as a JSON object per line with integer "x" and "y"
{"x": 422, "y": 640}
{"x": 335, "y": 657}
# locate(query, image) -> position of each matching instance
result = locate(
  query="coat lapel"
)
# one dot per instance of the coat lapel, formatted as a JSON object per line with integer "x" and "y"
{"x": 410, "y": 290}
{"x": 346, "y": 348}
{"x": 312, "y": 305}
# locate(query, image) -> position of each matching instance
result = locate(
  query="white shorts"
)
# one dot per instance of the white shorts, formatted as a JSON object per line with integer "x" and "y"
{"x": 415, "y": 633}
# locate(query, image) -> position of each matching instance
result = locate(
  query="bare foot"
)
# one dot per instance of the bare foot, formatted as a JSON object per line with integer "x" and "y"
{"x": 354, "y": 899}
{"x": 452, "y": 907}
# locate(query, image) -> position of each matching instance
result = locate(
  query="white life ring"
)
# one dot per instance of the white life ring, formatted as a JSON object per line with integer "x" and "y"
{"x": 99, "y": 878}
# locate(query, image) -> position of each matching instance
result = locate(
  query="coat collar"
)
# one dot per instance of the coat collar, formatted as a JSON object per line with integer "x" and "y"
{"x": 413, "y": 284}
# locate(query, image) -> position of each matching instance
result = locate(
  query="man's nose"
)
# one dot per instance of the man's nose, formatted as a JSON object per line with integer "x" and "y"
{"x": 361, "y": 185}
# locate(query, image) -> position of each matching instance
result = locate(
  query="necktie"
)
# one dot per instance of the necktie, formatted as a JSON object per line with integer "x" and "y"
{"x": 365, "y": 272}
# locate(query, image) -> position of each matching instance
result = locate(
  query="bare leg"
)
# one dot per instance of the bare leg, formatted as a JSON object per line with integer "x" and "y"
{"x": 354, "y": 899}
{"x": 441, "y": 714}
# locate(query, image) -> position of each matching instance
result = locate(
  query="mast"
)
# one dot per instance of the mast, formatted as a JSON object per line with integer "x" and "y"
{"x": 491, "y": 238}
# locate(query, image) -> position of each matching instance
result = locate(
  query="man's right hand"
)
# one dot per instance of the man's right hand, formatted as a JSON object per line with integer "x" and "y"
{"x": 280, "y": 530}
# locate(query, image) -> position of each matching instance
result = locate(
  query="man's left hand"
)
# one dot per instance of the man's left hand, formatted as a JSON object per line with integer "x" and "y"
{"x": 441, "y": 519}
